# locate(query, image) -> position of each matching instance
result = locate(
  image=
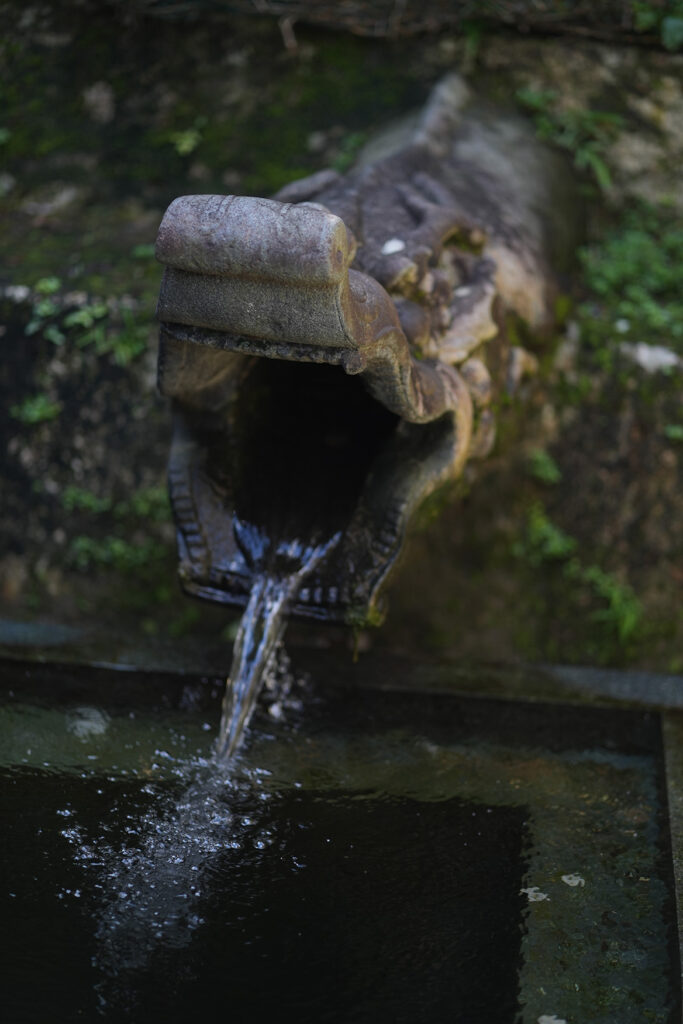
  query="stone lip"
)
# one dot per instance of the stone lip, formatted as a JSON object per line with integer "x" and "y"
{"x": 81, "y": 654}
{"x": 270, "y": 277}
{"x": 246, "y": 237}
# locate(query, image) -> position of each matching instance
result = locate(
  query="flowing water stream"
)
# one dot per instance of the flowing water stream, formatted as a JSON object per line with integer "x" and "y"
{"x": 279, "y": 570}
{"x": 305, "y": 439}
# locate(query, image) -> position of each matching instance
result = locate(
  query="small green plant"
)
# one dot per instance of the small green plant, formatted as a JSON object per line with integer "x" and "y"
{"x": 48, "y": 285}
{"x": 584, "y": 133}
{"x": 348, "y": 151}
{"x": 634, "y": 274}
{"x": 117, "y": 332}
{"x": 543, "y": 540}
{"x": 86, "y": 317}
{"x": 117, "y": 551}
{"x": 77, "y": 499}
{"x": 186, "y": 141}
{"x": 127, "y": 341}
{"x": 673, "y": 431}
{"x": 623, "y": 612}
{"x": 114, "y": 552}
{"x": 145, "y": 251}
{"x": 646, "y": 17}
{"x": 150, "y": 504}
{"x": 42, "y": 311}
{"x": 543, "y": 467}
{"x": 665, "y": 19}
{"x": 619, "y": 613}
{"x": 36, "y": 409}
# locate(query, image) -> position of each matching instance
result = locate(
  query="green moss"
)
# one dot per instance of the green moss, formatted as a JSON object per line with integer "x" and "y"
{"x": 433, "y": 506}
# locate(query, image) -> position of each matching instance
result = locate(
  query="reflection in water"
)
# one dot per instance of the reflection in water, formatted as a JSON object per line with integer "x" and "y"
{"x": 278, "y": 573}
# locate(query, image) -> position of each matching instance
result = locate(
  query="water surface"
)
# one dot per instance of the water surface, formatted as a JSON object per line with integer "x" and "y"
{"x": 369, "y": 857}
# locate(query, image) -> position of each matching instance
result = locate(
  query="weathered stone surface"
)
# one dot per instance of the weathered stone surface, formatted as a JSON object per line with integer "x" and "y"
{"x": 333, "y": 277}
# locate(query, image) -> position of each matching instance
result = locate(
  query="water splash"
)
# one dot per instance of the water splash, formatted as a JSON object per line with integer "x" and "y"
{"x": 150, "y": 873}
{"x": 166, "y": 849}
{"x": 279, "y": 571}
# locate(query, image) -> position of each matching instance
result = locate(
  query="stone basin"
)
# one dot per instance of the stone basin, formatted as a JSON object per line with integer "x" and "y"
{"x": 380, "y": 851}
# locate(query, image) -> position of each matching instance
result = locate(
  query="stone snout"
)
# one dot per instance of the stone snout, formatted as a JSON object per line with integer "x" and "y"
{"x": 363, "y": 313}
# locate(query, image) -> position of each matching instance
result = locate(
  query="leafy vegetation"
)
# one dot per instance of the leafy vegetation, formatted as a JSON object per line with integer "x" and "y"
{"x": 109, "y": 328}
{"x": 635, "y": 276}
{"x": 543, "y": 467}
{"x": 664, "y": 19}
{"x": 586, "y": 134}
{"x": 348, "y": 150}
{"x": 543, "y": 540}
{"x": 623, "y": 611}
{"x": 36, "y": 409}
{"x": 619, "y": 612}
{"x": 115, "y": 553}
{"x": 78, "y": 499}
{"x": 186, "y": 141}
{"x": 673, "y": 431}
{"x": 149, "y": 505}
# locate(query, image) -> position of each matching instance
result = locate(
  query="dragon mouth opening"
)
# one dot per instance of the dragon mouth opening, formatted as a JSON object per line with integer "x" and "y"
{"x": 306, "y": 437}
{"x": 297, "y": 452}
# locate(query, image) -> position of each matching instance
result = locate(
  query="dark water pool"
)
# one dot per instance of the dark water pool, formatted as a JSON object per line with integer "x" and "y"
{"x": 372, "y": 857}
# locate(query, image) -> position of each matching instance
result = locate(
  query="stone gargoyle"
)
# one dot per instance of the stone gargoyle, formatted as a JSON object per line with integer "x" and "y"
{"x": 366, "y": 313}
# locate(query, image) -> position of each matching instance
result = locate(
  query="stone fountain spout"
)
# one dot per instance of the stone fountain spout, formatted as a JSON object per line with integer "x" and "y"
{"x": 361, "y": 316}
